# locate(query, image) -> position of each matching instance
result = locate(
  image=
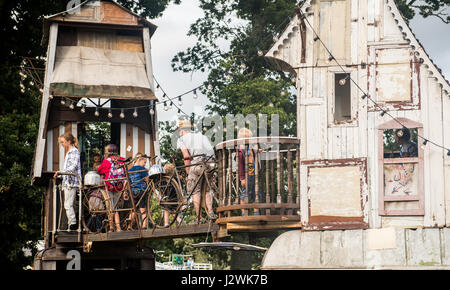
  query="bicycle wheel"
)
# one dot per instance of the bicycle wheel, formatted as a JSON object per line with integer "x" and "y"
{"x": 94, "y": 216}
{"x": 165, "y": 201}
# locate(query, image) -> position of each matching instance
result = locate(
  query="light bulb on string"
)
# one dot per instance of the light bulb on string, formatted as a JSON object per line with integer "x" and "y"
{"x": 344, "y": 80}
{"x": 151, "y": 111}
{"x": 165, "y": 106}
{"x": 96, "y": 113}
{"x": 227, "y": 77}
{"x": 195, "y": 94}
{"x": 164, "y": 96}
{"x": 243, "y": 65}
{"x": 71, "y": 106}
{"x": 157, "y": 87}
{"x": 110, "y": 115}
{"x": 275, "y": 38}
{"x": 50, "y": 96}
{"x": 170, "y": 105}
{"x": 63, "y": 102}
{"x": 122, "y": 114}
{"x": 260, "y": 52}
{"x": 31, "y": 83}
{"x": 293, "y": 78}
{"x": 83, "y": 109}
{"x": 210, "y": 87}
{"x": 180, "y": 103}
{"x": 135, "y": 114}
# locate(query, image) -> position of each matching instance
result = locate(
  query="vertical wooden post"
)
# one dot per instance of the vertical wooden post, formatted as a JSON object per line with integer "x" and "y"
{"x": 297, "y": 170}
{"x": 220, "y": 178}
{"x": 290, "y": 179}
{"x": 273, "y": 191}
{"x": 268, "y": 199}
{"x": 246, "y": 176}
{"x": 230, "y": 176}
{"x": 255, "y": 160}
{"x": 238, "y": 185}
{"x": 41, "y": 138}
{"x": 279, "y": 177}
{"x": 224, "y": 177}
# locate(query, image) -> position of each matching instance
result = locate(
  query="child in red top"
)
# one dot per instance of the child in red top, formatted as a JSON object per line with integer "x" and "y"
{"x": 111, "y": 155}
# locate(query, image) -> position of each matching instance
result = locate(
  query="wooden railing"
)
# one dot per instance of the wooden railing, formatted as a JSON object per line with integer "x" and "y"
{"x": 276, "y": 177}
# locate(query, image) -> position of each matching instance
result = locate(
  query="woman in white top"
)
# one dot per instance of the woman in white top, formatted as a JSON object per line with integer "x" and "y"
{"x": 71, "y": 165}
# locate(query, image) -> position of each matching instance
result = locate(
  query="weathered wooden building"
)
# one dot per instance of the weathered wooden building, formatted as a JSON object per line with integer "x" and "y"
{"x": 100, "y": 52}
{"x": 360, "y": 204}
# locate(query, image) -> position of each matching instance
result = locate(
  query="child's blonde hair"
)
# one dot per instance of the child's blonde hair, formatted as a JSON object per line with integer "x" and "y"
{"x": 139, "y": 157}
{"x": 245, "y": 133}
{"x": 70, "y": 138}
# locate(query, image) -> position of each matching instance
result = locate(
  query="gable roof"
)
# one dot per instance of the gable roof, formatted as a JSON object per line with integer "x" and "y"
{"x": 96, "y": 17}
{"x": 404, "y": 28}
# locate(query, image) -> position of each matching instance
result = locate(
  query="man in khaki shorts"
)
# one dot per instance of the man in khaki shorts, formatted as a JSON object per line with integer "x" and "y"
{"x": 192, "y": 144}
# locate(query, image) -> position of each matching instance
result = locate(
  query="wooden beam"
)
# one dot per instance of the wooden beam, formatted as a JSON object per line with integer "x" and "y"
{"x": 165, "y": 233}
{"x": 40, "y": 142}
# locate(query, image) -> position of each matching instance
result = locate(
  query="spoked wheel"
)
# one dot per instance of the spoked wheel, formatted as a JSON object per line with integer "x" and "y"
{"x": 165, "y": 200}
{"x": 94, "y": 213}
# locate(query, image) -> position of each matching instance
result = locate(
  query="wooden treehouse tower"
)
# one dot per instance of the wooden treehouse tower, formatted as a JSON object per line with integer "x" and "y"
{"x": 98, "y": 53}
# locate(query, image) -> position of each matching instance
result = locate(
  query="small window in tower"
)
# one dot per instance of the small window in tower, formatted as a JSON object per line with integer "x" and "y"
{"x": 342, "y": 97}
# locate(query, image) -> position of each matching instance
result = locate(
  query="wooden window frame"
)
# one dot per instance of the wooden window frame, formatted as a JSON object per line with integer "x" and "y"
{"x": 339, "y": 222}
{"x": 381, "y": 161}
{"x": 353, "y": 121}
{"x": 415, "y": 96}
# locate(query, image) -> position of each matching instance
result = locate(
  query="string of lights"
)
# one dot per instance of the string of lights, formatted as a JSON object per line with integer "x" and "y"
{"x": 25, "y": 72}
{"x": 365, "y": 95}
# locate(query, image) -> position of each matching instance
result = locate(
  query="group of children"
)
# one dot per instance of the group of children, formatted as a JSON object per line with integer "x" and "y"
{"x": 137, "y": 174}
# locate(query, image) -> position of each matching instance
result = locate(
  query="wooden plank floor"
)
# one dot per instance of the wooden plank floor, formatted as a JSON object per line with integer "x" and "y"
{"x": 174, "y": 232}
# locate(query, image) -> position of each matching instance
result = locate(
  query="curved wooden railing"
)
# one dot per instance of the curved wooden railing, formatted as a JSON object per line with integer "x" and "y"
{"x": 276, "y": 175}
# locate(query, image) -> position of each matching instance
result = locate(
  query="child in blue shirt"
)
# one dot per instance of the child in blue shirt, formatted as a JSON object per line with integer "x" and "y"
{"x": 138, "y": 182}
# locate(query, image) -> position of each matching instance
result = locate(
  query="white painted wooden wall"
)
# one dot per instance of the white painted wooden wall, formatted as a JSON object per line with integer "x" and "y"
{"x": 374, "y": 26}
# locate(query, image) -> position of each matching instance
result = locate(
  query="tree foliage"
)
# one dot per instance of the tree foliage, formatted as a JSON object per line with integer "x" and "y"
{"x": 229, "y": 36}
{"x": 426, "y": 8}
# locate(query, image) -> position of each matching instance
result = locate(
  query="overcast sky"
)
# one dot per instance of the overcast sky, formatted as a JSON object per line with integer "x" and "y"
{"x": 171, "y": 38}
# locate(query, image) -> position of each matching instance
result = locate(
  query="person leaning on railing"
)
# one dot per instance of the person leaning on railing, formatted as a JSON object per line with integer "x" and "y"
{"x": 251, "y": 154}
{"x": 69, "y": 182}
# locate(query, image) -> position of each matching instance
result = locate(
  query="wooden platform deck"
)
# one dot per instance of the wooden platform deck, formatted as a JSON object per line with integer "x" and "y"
{"x": 174, "y": 232}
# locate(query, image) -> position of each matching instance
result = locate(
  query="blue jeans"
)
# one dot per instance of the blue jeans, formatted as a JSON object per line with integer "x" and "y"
{"x": 251, "y": 190}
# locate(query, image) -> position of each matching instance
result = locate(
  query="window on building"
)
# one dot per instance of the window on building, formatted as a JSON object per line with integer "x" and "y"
{"x": 401, "y": 169}
{"x": 342, "y": 97}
